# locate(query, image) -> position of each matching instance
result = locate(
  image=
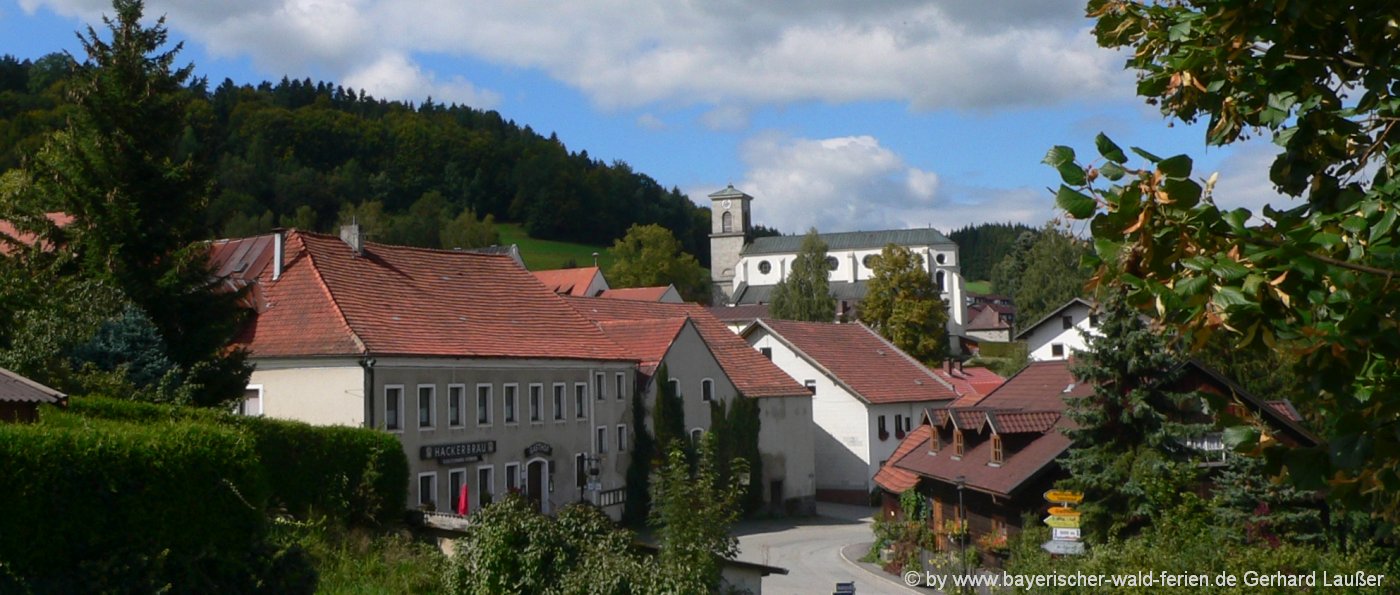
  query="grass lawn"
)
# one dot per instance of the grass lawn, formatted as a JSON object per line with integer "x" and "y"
{"x": 968, "y": 286}
{"x": 540, "y": 255}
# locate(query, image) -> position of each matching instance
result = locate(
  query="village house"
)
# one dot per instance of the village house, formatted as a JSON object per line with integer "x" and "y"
{"x": 998, "y": 454}
{"x": 489, "y": 379}
{"x": 745, "y": 270}
{"x": 866, "y": 395}
{"x": 706, "y": 363}
{"x": 1059, "y": 334}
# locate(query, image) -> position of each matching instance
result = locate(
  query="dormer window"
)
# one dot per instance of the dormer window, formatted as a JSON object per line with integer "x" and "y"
{"x": 934, "y": 442}
{"x": 957, "y": 443}
{"x": 996, "y": 449}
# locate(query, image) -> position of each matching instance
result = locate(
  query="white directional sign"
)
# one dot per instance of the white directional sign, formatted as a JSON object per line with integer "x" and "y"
{"x": 1059, "y": 534}
{"x": 1064, "y": 548}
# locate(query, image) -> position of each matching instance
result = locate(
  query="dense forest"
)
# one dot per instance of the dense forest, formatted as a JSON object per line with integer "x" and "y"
{"x": 304, "y": 154}
{"x": 982, "y": 246}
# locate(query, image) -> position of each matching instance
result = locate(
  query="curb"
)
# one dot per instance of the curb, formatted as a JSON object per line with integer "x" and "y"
{"x": 879, "y": 575}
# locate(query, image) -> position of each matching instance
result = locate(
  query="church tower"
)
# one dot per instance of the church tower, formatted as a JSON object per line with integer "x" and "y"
{"x": 729, "y": 229}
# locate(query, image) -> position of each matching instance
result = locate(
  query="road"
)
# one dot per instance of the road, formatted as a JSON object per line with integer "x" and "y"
{"x": 810, "y": 549}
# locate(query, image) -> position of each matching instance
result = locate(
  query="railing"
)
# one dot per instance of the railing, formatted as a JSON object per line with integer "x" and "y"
{"x": 613, "y": 497}
{"x": 1211, "y": 445}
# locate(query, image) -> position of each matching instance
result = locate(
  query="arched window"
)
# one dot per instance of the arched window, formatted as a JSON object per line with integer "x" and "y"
{"x": 726, "y": 222}
{"x": 695, "y": 436}
{"x": 707, "y": 390}
{"x": 938, "y": 279}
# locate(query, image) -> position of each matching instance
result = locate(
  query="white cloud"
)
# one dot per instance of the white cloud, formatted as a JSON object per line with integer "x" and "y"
{"x": 649, "y": 121}
{"x": 393, "y": 75}
{"x": 854, "y": 183}
{"x": 628, "y": 53}
{"x": 726, "y": 118}
{"x": 1244, "y": 179}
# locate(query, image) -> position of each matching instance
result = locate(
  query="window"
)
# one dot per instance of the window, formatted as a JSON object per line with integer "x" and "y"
{"x": 559, "y": 412}
{"x": 811, "y": 385}
{"x": 1093, "y": 320}
{"x": 485, "y": 486}
{"x": 456, "y": 480}
{"x": 598, "y": 386}
{"x": 940, "y": 258}
{"x": 766, "y": 351}
{"x": 707, "y": 390}
{"x": 622, "y": 438}
{"x": 899, "y": 426}
{"x": 869, "y": 260}
{"x": 456, "y": 402}
{"x": 1057, "y": 350}
{"x": 938, "y": 279}
{"x": 621, "y": 385}
{"x": 427, "y": 490}
{"x": 483, "y": 404}
{"x": 511, "y": 403}
{"x": 832, "y": 263}
{"x": 765, "y": 267}
{"x": 426, "y": 395}
{"x": 726, "y": 222}
{"x": 880, "y": 424}
{"x": 512, "y": 478}
{"x": 957, "y": 443}
{"x": 393, "y": 407}
{"x": 907, "y": 419}
{"x": 536, "y": 403}
{"x": 601, "y": 444}
{"x": 695, "y": 435}
{"x": 251, "y": 403}
{"x": 935, "y": 441}
{"x": 1067, "y": 322}
{"x": 996, "y": 449}
{"x": 675, "y": 387}
{"x": 580, "y": 470}
{"x": 580, "y": 400}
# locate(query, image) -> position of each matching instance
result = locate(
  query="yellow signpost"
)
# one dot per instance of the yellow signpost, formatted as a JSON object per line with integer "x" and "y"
{"x": 1064, "y": 511}
{"x": 1064, "y": 497}
{"x": 1062, "y": 522}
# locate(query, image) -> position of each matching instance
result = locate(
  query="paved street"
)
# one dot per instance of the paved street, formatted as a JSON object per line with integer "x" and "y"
{"x": 810, "y": 548}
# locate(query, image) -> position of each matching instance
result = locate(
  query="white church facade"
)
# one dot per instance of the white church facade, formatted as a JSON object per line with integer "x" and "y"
{"x": 745, "y": 271}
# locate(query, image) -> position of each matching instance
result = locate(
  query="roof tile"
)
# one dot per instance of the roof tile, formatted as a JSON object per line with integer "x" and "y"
{"x": 871, "y": 366}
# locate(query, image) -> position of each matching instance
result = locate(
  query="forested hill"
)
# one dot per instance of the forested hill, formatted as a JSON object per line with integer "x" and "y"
{"x": 298, "y": 153}
{"x": 982, "y": 246}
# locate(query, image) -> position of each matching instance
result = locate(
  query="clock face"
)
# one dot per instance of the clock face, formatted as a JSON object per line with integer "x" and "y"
{"x": 726, "y": 203}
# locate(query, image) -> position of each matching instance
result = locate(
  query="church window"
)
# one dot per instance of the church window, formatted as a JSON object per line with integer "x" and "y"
{"x": 832, "y": 263}
{"x": 869, "y": 260}
{"x": 941, "y": 258}
{"x": 765, "y": 267}
{"x": 726, "y": 222}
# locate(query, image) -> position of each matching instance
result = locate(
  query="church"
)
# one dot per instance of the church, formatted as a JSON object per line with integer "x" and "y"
{"x": 745, "y": 270}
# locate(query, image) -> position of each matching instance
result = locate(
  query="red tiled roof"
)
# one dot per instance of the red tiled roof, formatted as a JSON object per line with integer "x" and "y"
{"x": 568, "y": 281}
{"x": 1285, "y": 408}
{"x": 7, "y": 228}
{"x": 856, "y": 356}
{"x": 752, "y": 374}
{"x": 646, "y": 294}
{"x": 1026, "y": 401}
{"x": 898, "y": 480}
{"x": 395, "y": 300}
{"x": 647, "y": 340}
{"x": 986, "y": 319}
{"x": 973, "y": 383}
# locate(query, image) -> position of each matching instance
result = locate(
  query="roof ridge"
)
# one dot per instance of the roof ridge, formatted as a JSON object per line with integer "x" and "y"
{"x": 812, "y": 360}
{"x": 330, "y": 293}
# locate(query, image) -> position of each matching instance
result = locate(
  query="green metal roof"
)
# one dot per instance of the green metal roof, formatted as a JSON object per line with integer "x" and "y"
{"x": 851, "y": 240}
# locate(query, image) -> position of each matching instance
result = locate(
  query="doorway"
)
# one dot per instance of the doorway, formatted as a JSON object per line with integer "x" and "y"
{"x": 535, "y": 485}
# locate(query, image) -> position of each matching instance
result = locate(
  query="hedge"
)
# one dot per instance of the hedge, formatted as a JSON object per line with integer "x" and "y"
{"x": 997, "y": 349}
{"x": 351, "y": 474}
{"x": 128, "y": 506}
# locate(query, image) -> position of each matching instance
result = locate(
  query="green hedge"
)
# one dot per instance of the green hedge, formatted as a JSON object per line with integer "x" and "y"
{"x": 93, "y": 502}
{"x": 994, "y": 349}
{"x": 351, "y": 474}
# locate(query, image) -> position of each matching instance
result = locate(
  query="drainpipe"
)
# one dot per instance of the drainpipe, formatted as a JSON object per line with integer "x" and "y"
{"x": 368, "y": 364}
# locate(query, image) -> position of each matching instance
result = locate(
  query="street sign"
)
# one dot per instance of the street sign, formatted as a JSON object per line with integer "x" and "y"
{"x": 1065, "y": 533}
{"x": 1064, "y": 511}
{"x": 1064, "y": 548}
{"x": 1064, "y": 497}
{"x": 1062, "y": 522}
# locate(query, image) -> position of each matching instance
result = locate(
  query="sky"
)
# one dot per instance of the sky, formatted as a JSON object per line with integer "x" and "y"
{"x": 833, "y": 114}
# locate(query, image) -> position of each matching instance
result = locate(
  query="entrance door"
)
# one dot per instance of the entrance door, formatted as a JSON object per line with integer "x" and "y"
{"x": 534, "y": 483}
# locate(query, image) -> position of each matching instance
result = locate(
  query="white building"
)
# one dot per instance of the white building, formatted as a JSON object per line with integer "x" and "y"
{"x": 866, "y": 394}
{"x": 1061, "y": 333}
{"x": 745, "y": 271}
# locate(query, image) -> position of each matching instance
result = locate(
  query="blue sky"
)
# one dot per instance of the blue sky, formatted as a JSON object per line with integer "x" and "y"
{"x": 834, "y": 114}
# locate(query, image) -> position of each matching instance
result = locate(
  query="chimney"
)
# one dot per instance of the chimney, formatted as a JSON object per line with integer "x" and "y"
{"x": 350, "y": 234}
{"x": 278, "y": 247}
{"x": 950, "y": 366}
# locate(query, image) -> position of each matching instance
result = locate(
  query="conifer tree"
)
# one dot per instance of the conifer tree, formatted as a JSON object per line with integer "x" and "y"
{"x": 1129, "y": 453}
{"x": 806, "y": 292}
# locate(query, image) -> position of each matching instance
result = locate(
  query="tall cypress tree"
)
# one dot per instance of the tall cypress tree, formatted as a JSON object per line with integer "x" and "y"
{"x": 1129, "y": 455}
{"x": 806, "y": 292}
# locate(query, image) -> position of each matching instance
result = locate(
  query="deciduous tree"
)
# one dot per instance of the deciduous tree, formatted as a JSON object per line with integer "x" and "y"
{"x": 649, "y": 256}
{"x": 904, "y": 306}
{"x": 1315, "y": 279}
{"x": 805, "y": 294}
